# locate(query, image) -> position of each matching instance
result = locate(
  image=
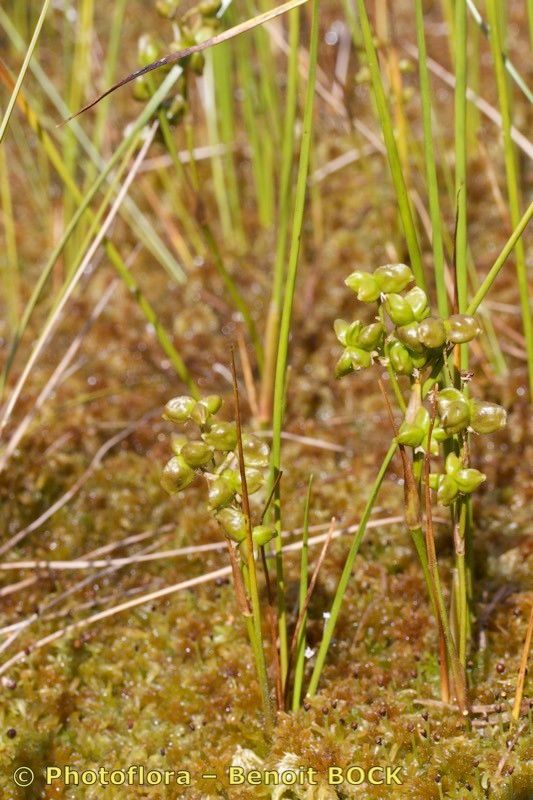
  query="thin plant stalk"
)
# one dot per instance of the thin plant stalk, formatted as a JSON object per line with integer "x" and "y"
{"x": 431, "y": 168}
{"x": 257, "y": 641}
{"x": 515, "y": 713}
{"x": 10, "y": 266}
{"x": 285, "y": 325}
{"x": 346, "y": 573}
{"x": 287, "y": 158}
{"x": 24, "y": 68}
{"x": 500, "y": 261}
{"x": 299, "y": 666}
{"x": 460, "y": 130}
{"x": 513, "y": 180}
{"x": 402, "y": 195}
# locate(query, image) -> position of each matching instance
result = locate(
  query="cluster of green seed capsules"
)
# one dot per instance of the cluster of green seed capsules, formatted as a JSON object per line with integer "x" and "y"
{"x": 417, "y": 339}
{"x": 198, "y": 24}
{"x": 214, "y": 455}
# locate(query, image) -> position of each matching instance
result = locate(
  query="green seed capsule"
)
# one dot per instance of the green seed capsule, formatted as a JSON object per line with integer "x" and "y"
{"x": 353, "y": 333}
{"x": 212, "y": 402}
{"x": 447, "y": 396}
{"x": 196, "y": 454}
{"x": 177, "y": 442}
{"x": 364, "y": 285}
{"x": 233, "y": 522}
{"x": 408, "y": 334}
{"x": 393, "y": 277}
{"x": 461, "y": 328}
{"x": 468, "y": 480}
{"x": 209, "y": 8}
{"x": 222, "y": 436}
{"x": 419, "y": 359}
{"x": 400, "y": 359}
{"x": 453, "y": 464}
{"x": 166, "y": 8}
{"x": 371, "y": 336}
{"x": 177, "y": 475}
{"x": 344, "y": 365}
{"x": 399, "y": 309}
{"x": 486, "y": 417}
{"x": 255, "y": 479}
{"x": 432, "y": 333}
{"x": 447, "y": 491}
{"x": 256, "y": 452}
{"x": 455, "y": 418}
{"x": 369, "y": 290}
{"x": 179, "y": 409}
{"x": 410, "y": 435}
{"x": 417, "y": 299}
{"x": 220, "y": 493}
{"x": 263, "y": 534}
{"x": 340, "y": 326}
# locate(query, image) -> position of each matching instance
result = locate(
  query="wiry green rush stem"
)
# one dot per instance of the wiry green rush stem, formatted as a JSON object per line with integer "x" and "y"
{"x": 400, "y": 186}
{"x": 513, "y": 179}
{"x": 500, "y": 261}
{"x": 251, "y": 572}
{"x": 287, "y": 157}
{"x": 346, "y": 573}
{"x": 285, "y": 326}
{"x": 23, "y": 70}
{"x": 302, "y": 593}
{"x": 461, "y": 244}
{"x": 462, "y": 599}
{"x": 431, "y": 168}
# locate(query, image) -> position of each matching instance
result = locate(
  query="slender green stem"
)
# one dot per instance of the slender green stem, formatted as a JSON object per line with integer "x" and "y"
{"x": 500, "y": 261}
{"x": 249, "y": 567}
{"x": 431, "y": 167}
{"x": 287, "y": 158}
{"x": 462, "y": 599}
{"x": 460, "y": 119}
{"x": 285, "y": 326}
{"x": 346, "y": 573}
{"x": 400, "y": 186}
{"x": 299, "y": 667}
{"x": 24, "y": 68}
{"x": 513, "y": 179}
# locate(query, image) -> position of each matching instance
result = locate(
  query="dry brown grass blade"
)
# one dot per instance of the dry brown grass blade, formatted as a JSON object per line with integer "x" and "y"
{"x": 523, "y": 669}
{"x": 173, "y": 58}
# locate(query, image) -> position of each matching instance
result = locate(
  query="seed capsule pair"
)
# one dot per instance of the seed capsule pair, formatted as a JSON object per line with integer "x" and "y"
{"x": 388, "y": 278}
{"x": 184, "y": 408}
{"x": 456, "y": 480}
{"x": 458, "y": 413}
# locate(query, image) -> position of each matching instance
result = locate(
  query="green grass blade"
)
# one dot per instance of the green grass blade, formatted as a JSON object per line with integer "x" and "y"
{"x": 23, "y": 70}
{"x": 299, "y": 666}
{"x": 286, "y": 318}
{"x": 500, "y": 261}
{"x": 513, "y": 179}
{"x": 346, "y": 574}
{"x": 431, "y": 167}
{"x": 402, "y": 196}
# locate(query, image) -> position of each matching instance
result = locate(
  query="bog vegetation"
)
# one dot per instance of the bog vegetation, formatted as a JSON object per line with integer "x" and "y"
{"x": 301, "y": 230}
